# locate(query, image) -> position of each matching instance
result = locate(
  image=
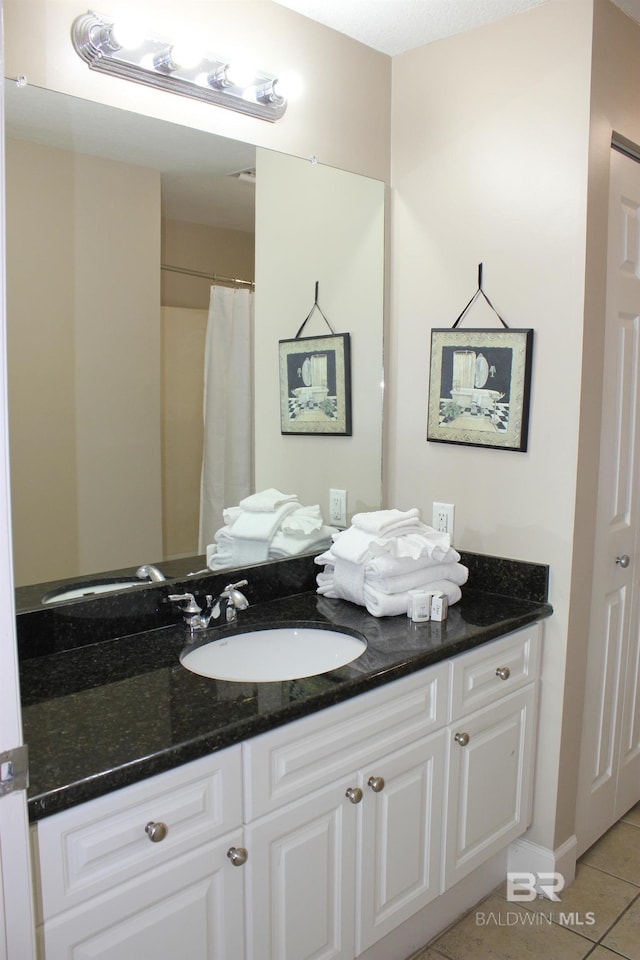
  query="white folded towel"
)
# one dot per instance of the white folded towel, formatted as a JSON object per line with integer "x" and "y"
{"x": 350, "y": 578}
{"x": 260, "y": 525}
{"x": 303, "y": 521}
{"x": 266, "y": 500}
{"x": 380, "y": 604}
{"x": 387, "y": 566}
{"x": 293, "y": 545}
{"x": 384, "y": 522}
{"x": 251, "y": 534}
{"x": 229, "y": 514}
{"x": 392, "y": 604}
{"x": 422, "y": 577}
{"x": 416, "y": 541}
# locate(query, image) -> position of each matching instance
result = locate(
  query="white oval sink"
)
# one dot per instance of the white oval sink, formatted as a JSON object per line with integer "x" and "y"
{"x": 89, "y": 590}
{"x": 279, "y": 653}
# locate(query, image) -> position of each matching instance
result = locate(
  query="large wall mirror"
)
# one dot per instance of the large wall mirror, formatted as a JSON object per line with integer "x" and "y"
{"x": 116, "y": 225}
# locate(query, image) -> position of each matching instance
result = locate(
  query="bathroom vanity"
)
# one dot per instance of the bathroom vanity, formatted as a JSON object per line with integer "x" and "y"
{"x": 174, "y": 814}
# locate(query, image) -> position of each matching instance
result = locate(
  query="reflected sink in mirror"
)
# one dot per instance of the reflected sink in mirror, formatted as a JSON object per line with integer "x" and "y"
{"x": 76, "y": 591}
{"x": 274, "y": 654}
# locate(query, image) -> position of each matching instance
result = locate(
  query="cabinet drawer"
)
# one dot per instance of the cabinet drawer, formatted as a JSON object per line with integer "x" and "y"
{"x": 91, "y": 848}
{"x": 494, "y": 670}
{"x": 303, "y": 756}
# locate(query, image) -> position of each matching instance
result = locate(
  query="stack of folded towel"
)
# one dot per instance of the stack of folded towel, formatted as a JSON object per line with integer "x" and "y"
{"x": 383, "y": 555}
{"x": 266, "y": 526}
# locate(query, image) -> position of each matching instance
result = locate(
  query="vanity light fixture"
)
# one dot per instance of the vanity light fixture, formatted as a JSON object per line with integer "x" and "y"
{"x": 173, "y": 67}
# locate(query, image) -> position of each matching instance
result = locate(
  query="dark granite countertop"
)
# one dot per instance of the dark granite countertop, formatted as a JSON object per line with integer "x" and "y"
{"x": 103, "y": 715}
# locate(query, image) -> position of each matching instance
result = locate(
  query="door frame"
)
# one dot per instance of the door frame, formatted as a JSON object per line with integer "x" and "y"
{"x": 17, "y": 936}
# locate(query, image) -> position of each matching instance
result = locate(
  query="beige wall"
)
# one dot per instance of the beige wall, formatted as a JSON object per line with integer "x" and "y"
{"x": 489, "y": 164}
{"x": 83, "y": 308}
{"x": 315, "y": 223}
{"x": 343, "y": 118}
{"x": 184, "y": 332}
{"x": 40, "y": 334}
{"x": 212, "y": 250}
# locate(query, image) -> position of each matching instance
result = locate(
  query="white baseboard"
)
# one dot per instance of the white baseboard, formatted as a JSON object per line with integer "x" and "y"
{"x": 527, "y": 857}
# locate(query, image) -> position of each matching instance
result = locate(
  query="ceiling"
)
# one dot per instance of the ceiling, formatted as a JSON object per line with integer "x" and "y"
{"x": 395, "y": 26}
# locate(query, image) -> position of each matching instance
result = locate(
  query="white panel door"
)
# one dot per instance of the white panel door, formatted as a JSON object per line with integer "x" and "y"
{"x": 302, "y": 879}
{"x": 609, "y": 779}
{"x": 490, "y": 782}
{"x": 16, "y": 914}
{"x": 400, "y": 844}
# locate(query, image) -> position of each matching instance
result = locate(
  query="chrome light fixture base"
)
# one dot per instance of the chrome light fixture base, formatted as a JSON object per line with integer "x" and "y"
{"x": 95, "y": 41}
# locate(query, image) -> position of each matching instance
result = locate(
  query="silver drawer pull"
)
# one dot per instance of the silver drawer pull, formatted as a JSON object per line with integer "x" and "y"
{"x": 156, "y": 831}
{"x": 237, "y": 855}
{"x": 623, "y": 561}
{"x": 462, "y": 739}
{"x": 354, "y": 794}
{"x": 376, "y": 784}
{"x": 503, "y": 672}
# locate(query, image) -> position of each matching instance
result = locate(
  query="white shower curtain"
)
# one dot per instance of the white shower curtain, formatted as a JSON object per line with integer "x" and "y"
{"x": 227, "y": 460}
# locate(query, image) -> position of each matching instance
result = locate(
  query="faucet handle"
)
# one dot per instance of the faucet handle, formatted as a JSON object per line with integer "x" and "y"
{"x": 191, "y": 605}
{"x": 236, "y": 586}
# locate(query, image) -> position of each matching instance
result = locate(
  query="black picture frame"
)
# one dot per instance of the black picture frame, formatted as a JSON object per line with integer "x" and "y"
{"x": 315, "y": 385}
{"x": 479, "y": 387}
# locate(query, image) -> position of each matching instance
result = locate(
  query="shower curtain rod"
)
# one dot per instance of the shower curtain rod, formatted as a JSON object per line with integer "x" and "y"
{"x": 205, "y": 276}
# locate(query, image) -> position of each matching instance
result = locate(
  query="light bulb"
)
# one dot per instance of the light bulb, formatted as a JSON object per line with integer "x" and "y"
{"x": 128, "y": 33}
{"x": 288, "y": 85}
{"x": 185, "y": 54}
{"x": 240, "y": 72}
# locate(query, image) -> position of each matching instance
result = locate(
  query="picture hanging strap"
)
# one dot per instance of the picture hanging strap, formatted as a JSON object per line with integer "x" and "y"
{"x": 478, "y": 292}
{"x": 316, "y": 306}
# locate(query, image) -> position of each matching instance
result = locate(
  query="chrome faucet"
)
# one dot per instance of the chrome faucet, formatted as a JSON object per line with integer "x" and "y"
{"x": 147, "y": 571}
{"x": 194, "y": 616}
{"x": 198, "y": 619}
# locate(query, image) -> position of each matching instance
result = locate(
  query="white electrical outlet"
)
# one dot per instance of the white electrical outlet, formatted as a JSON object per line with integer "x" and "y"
{"x": 338, "y": 508}
{"x": 443, "y": 518}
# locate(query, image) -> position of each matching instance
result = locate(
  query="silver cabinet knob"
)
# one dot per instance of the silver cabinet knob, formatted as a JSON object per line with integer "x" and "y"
{"x": 503, "y": 672}
{"x": 354, "y": 794}
{"x": 156, "y": 831}
{"x": 624, "y": 561}
{"x": 462, "y": 739}
{"x": 376, "y": 784}
{"x": 237, "y": 855}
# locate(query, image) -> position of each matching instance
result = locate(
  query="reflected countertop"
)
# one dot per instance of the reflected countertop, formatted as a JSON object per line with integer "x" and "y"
{"x": 107, "y": 714}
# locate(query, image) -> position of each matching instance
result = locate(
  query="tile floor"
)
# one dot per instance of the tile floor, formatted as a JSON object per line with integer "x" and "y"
{"x": 599, "y": 916}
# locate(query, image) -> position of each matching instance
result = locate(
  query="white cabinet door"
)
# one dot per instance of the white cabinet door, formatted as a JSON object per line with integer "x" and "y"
{"x": 192, "y": 906}
{"x": 399, "y": 848}
{"x": 490, "y": 755}
{"x": 302, "y": 879}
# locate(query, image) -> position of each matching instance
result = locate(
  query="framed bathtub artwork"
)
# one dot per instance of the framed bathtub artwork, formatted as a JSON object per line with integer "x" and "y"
{"x": 315, "y": 385}
{"x": 479, "y": 387}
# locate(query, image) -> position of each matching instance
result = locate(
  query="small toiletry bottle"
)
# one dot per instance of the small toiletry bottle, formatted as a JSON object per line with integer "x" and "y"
{"x": 439, "y": 607}
{"x": 418, "y": 606}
